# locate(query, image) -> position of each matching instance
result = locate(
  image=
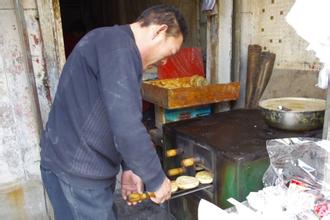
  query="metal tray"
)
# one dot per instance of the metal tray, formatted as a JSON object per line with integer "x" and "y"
{"x": 183, "y": 192}
{"x": 188, "y": 97}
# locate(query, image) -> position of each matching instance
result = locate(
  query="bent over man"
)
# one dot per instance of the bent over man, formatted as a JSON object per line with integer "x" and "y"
{"x": 95, "y": 126}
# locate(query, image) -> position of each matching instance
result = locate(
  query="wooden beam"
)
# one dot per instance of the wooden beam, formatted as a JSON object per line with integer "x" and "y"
{"x": 52, "y": 36}
{"x": 326, "y": 129}
{"x": 225, "y": 41}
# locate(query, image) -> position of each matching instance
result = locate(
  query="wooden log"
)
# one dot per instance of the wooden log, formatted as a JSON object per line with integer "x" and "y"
{"x": 254, "y": 52}
{"x": 265, "y": 72}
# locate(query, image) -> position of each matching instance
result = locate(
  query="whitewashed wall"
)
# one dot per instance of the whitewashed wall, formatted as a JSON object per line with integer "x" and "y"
{"x": 263, "y": 22}
{"x": 21, "y": 191}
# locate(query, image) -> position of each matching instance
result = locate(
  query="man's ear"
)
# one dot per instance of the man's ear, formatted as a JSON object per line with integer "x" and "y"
{"x": 160, "y": 29}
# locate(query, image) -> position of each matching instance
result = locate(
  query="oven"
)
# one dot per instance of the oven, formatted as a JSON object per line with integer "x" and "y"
{"x": 232, "y": 145}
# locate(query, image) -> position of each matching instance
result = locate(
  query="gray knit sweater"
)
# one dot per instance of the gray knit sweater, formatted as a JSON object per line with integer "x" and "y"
{"x": 95, "y": 121}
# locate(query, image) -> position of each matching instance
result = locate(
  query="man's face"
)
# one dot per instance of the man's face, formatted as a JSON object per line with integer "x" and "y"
{"x": 167, "y": 47}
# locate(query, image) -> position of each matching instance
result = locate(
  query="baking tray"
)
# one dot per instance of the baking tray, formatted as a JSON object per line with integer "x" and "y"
{"x": 183, "y": 192}
{"x": 174, "y": 98}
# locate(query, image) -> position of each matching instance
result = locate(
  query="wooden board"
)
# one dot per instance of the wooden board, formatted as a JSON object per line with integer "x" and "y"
{"x": 191, "y": 96}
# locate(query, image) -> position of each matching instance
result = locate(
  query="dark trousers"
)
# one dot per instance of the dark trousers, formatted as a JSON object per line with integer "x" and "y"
{"x": 70, "y": 202}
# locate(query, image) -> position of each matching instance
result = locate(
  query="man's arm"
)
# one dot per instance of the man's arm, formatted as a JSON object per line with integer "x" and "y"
{"x": 120, "y": 91}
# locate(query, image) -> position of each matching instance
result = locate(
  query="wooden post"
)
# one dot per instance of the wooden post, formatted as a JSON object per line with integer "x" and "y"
{"x": 219, "y": 46}
{"x": 326, "y": 130}
{"x": 52, "y": 36}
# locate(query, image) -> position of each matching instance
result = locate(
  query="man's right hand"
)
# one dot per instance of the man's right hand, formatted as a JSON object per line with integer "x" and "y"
{"x": 163, "y": 193}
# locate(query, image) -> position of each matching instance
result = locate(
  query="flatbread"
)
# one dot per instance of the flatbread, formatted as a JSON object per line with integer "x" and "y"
{"x": 204, "y": 177}
{"x": 174, "y": 186}
{"x": 187, "y": 182}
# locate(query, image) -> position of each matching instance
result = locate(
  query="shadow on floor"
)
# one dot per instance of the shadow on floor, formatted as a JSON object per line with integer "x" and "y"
{"x": 146, "y": 210}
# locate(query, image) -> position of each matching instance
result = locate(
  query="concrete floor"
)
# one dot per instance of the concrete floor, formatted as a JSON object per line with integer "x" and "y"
{"x": 23, "y": 201}
{"x": 26, "y": 202}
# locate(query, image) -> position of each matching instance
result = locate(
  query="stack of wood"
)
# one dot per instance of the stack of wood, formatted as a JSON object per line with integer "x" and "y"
{"x": 259, "y": 70}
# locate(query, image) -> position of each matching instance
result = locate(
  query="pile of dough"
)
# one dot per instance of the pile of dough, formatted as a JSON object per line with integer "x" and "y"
{"x": 204, "y": 177}
{"x": 183, "y": 82}
{"x": 187, "y": 182}
{"x": 197, "y": 81}
{"x": 171, "y": 83}
{"x": 174, "y": 187}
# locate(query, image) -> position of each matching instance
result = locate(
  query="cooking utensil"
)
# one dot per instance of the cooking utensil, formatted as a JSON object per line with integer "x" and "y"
{"x": 292, "y": 113}
{"x": 139, "y": 197}
{"x": 283, "y": 108}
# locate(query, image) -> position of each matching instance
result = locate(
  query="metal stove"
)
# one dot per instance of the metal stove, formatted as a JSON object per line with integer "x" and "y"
{"x": 230, "y": 144}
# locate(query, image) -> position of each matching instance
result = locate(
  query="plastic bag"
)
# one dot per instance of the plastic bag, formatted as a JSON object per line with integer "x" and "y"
{"x": 301, "y": 159}
{"x": 310, "y": 20}
{"x": 300, "y": 166}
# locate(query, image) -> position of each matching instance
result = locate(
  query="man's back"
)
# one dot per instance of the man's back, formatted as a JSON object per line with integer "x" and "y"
{"x": 78, "y": 140}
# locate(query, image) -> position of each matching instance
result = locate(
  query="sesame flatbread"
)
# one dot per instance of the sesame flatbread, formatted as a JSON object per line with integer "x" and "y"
{"x": 204, "y": 177}
{"x": 187, "y": 182}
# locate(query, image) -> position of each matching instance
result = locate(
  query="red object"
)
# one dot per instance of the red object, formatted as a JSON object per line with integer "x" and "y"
{"x": 187, "y": 62}
{"x": 322, "y": 209}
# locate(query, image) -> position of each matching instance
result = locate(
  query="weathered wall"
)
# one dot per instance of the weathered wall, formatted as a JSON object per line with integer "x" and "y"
{"x": 21, "y": 192}
{"x": 295, "y": 72}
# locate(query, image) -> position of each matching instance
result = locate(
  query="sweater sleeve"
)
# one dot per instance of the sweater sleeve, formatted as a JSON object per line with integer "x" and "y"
{"x": 120, "y": 89}
{"x": 124, "y": 166}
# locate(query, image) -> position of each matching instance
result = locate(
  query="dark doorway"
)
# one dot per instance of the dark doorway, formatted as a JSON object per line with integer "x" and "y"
{"x": 81, "y": 16}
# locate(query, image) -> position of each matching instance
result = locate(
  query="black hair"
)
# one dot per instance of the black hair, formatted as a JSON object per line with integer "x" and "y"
{"x": 165, "y": 14}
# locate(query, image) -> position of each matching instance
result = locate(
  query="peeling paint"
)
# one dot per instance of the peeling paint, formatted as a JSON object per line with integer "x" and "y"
{"x": 19, "y": 127}
{"x": 35, "y": 39}
{"x": 38, "y": 62}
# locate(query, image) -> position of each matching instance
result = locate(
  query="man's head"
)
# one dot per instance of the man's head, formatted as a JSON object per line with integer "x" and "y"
{"x": 164, "y": 14}
{"x": 159, "y": 33}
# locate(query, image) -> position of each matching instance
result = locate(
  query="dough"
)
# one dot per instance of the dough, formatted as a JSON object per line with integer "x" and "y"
{"x": 204, "y": 177}
{"x": 187, "y": 182}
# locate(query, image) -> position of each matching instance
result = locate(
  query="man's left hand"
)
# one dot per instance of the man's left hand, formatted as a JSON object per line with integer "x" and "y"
{"x": 130, "y": 182}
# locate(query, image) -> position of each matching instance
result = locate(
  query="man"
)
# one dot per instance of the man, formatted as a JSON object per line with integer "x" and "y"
{"x": 95, "y": 121}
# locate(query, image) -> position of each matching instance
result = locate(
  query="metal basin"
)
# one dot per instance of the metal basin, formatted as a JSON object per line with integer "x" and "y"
{"x": 294, "y": 114}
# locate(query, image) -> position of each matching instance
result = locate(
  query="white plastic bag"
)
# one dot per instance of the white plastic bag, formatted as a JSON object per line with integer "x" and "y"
{"x": 311, "y": 19}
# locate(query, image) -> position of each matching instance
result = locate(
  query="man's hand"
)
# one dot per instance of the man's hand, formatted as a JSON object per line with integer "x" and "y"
{"x": 163, "y": 193}
{"x": 130, "y": 183}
